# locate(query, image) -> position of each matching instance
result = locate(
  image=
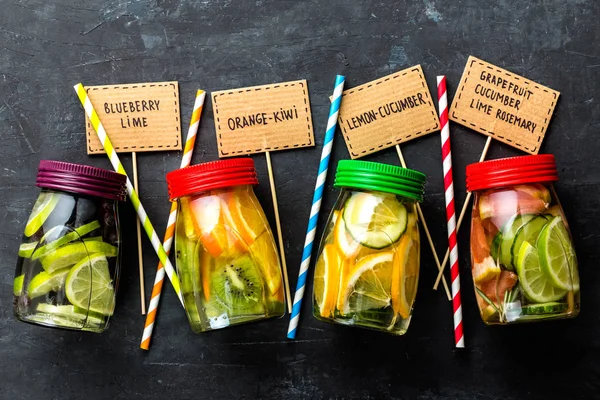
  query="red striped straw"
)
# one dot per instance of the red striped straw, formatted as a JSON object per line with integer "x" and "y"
{"x": 459, "y": 339}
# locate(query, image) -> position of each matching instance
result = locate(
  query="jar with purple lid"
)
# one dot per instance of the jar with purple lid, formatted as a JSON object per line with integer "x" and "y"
{"x": 68, "y": 268}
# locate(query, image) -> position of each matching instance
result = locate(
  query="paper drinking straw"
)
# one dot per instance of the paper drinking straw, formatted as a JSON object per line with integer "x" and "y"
{"x": 461, "y": 216}
{"x": 316, "y": 204}
{"x": 133, "y": 196}
{"x": 188, "y": 150}
{"x": 459, "y": 339}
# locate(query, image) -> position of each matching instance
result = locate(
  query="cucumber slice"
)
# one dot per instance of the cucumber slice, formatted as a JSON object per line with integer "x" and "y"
{"x": 545, "y": 308}
{"x": 507, "y": 238}
{"x": 528, "y": 232}
{"x": 375, "y": 220}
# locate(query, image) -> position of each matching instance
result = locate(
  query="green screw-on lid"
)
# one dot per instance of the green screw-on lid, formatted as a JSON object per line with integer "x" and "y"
{"x": 354, "y": 174}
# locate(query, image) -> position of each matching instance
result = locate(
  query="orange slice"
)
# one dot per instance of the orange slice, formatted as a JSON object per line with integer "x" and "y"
{"x": 325, "y": 281}
{"x": 244, "y": 213}
{"x": 265, "y": 254}
{"x": 405, "y": 276}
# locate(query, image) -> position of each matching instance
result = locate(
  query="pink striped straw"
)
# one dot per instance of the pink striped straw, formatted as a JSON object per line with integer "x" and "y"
{"x": 459, "y": 339}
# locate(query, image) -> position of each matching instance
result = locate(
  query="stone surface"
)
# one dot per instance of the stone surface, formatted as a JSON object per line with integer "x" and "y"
{"x": 47, "y": 46}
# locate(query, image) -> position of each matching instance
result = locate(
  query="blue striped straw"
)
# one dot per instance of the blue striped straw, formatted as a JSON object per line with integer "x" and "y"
{"x": 316, "y": 204}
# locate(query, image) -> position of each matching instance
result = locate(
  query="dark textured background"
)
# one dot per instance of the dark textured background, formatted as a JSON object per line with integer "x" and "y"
{"x": 47, "y": 46}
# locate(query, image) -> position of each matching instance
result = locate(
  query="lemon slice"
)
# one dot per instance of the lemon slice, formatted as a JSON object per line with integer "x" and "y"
{"x": 44, "y": 282}
{"x": 346, "y": 244}
{"x": 368, "y": 284}
{"x": 70, "y": 254}
{"x": 375, "y": 220}
{"x": 325, "y": 287}
{"x": 41, "y": 211}
{"x": 89, "y": 285}
{"x": 405, "y": 276}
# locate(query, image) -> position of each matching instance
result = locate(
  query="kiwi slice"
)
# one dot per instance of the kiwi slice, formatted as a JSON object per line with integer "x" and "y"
{"x": 237, "y": 286}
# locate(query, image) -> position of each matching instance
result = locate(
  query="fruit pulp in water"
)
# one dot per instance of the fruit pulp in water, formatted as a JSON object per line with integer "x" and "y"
{"x": 523, "y": 261}
{"x": 67, "y": 261}
{"x": 227, "y": 260}
{"x": 368, "y": 266}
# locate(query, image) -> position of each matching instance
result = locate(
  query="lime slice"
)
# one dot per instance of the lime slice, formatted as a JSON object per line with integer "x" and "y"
{"x": 69, "y": 237}
{"x": 44, "y": 282}
{"x": 18, "y": 285}
{"x": 527, "y": 233}
{"x": 73, "y": 253}
{"x": 557, "y": 256}
{"x": 89, "y": 285}
{"x": 70, "y": 311}
{"x": 41, "y": 211}
{"x": 375, "y": 220}
{"x": 26, "y": 249}
{"x": 535, "y": 285}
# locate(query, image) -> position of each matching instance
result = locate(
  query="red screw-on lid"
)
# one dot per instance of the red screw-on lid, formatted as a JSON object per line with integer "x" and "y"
{"x": 511, "y": 171}
{"x": 211, "y": 175}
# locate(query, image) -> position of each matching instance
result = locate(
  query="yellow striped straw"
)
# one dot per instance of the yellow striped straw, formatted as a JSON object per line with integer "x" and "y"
{"x": 133, "y": 196}
{"x": 188, "y": 151}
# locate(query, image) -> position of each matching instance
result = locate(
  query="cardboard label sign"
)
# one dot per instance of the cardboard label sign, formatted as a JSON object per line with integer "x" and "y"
{"x": 387, "y": 111}
{"x": 263, "y": 118}
{"x": 137, "y": 117}
{"x": 506, "y": 106}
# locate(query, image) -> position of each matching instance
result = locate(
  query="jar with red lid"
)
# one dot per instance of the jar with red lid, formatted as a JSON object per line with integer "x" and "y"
{"x": 226, "y": 256}
{"x": 522, "y": 256}
{"x": 68, "y": 268}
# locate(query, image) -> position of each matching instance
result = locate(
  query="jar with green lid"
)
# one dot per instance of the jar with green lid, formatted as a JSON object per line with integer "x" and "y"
{"x": 367, "y": 269}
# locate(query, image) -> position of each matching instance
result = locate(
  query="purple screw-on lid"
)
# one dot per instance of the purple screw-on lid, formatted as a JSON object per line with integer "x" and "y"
{"x": 82, "y": 179}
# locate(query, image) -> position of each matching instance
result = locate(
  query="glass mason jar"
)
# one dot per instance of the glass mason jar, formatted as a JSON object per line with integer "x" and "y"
{"x": 226, "y": 256}
{"x": 68, "y": 267}
{"x": 367, "y": 270}
{"x": 522, "y": 256}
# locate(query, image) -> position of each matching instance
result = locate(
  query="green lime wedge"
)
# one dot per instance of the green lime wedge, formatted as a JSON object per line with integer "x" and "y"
{"x": 26, "y": 249}
{"x": 70, "y": 311}
{"x": 73, "y": 253}
{"x": 44, "y": 282}
{"x": 557, "y": 256}
{"x": 18, "y": 285}
{"x": 534, "y": 283}
{"x": 505, "y": 239}
{"x": 68, "y": 238}
{"x": 529, "y": 232}
{"x": 89, "y": 285}
{"x": 41, "y": 211}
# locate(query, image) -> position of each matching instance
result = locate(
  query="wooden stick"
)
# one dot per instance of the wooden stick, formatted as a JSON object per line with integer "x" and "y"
{"x": 462, "y": 215}
{"x": 425, "y": 228}
{"x": 279, "y": 235}
{"x": 139, "y": 238}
